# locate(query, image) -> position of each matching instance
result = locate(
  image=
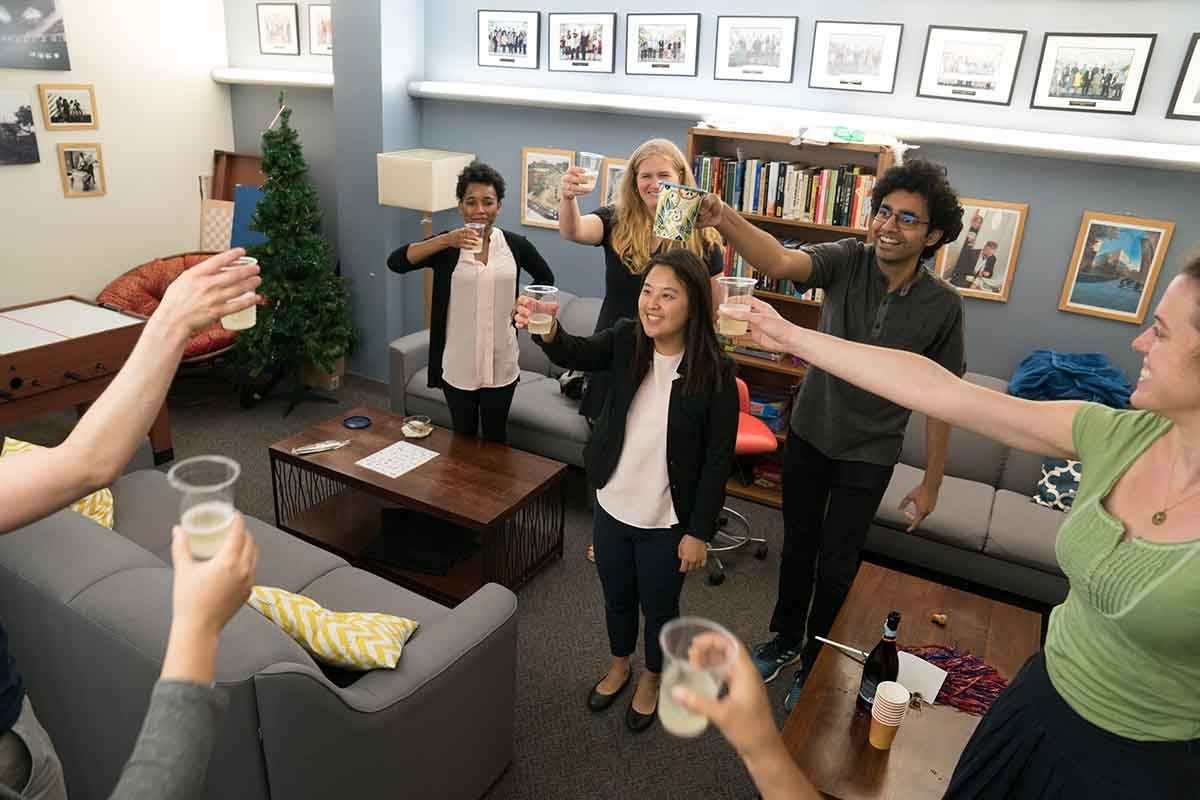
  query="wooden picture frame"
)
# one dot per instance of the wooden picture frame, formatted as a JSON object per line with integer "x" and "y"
{"x": 542, "y": 169}
{"x": 69, "y": 106}
{"x": 736, "y": 35}
{"x": 611, "y": 173}
{"x": 320, "y": 29}
{"x": 576, "y": 55}
{"x": 508, "y": 39}
{"x": 1092, "y": 73}
{"x": 1111, "y": 275}
{"x": 971, "y": 65}
{"x": 274, "y": 41}
{"x": 855, "y": 56}
{"x": 1185, "y": 102}
{"x": 81, "y": 169}
{"x": 982, "y": 261}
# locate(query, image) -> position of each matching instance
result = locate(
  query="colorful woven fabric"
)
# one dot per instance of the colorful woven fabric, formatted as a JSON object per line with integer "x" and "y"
{"x": 972, "y": 685}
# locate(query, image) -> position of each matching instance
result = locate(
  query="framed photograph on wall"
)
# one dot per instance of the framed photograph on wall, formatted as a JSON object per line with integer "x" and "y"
{"x": 982, "y": 260}
{"x": 81, "y": 167}
{"x": 1115, "y": 266}
{"x": 583, "y": 42}
{"x": 18, "y": 137}
{"x": 978, "y": 65}
{"x": 610, "y": 179}
{"x": 662, "y": 44}
{"x": 278, "y": 29}
{"x": 509, "y": 39}
{"x": 1096, "y": 73}
{"x": 32, "y": 36}
{"x": 542, "y": 169}
{"x": 69, "y": 106}
{"x": 1185, "y": 103}
{"x": 320, "y": 30}
{"x": 855, "y": 56}
{"x": 755, "y": 49}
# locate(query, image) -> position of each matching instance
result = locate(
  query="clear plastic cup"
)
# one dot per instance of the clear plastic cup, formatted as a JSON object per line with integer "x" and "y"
{"x": 702, "y": 670}
{"x": 590, "y": 164}
{"x": 206, "y": 507}
{"x": 247, "y": 317}
{"x": 545, "y": 306}
{"x": 478, "y": 229}
{"x": 735, "y": 294}
{"x": 678, "y": 207}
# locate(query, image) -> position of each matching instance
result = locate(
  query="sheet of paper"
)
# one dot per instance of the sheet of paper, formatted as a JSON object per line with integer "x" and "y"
{"x": 397, "y": 459}
{"x": 920, "y": 677}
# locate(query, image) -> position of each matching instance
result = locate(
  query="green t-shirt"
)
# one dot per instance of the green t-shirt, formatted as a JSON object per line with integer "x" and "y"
{"x": 1124, "y": 648}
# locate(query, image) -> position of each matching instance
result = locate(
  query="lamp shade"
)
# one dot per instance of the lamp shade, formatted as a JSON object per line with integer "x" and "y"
{"x": 422, "y": 180}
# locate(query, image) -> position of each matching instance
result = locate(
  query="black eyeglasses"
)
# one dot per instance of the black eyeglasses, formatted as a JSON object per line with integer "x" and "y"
{"x": 905, "y": 219}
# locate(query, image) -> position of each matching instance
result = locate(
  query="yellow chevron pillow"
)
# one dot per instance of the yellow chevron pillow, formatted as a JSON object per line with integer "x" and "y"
{"x": 97, "y": 506}
{"x": 346, "y": 639}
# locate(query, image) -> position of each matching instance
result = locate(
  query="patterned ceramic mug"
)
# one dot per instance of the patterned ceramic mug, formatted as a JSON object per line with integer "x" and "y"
{"x": 678, "y": 206}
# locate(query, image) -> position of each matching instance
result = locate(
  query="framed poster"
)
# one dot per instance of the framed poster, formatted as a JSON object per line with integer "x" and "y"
{"x": 610, "y": 179}
{"x": 1185, "y": 103}
{"x": 18, "y": 138}
{"x": 755, "y": 49}
{"x": 81, "y": 168}
{"x": 982, "y": 260}
{"x": 977, "y": 65}
{"x": 542, "y": 170}
{"x": 32, "y": 36}
{"x": 68, "y": 106}
{"x": 662, "y": 44}
{"x": 1086, "y": 72}
{"x": 855, "y": 56}
{"x": 583, "y": 42}
{"x": 278, "y": 29}
{"x": 320, "y": 30}
{"x": 1115, "y": 265}
{"x": 509, "y": 39}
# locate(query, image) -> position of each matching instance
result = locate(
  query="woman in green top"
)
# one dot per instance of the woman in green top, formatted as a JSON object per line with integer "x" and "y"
{"x": 1111, "y": 707}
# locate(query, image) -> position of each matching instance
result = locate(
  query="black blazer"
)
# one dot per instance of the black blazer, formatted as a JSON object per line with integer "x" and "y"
{"x": 701, "y": 428}
{"x": 443, "y": 263}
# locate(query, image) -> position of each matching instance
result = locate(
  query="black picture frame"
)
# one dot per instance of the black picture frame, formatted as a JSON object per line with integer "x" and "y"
{"x": 1013, "y": 78}
{"x": 812, "y": 59}
{"x": 791, "y": 69}
{"x": 1191, "y": 60}
{"x": 295, "y": 27}
{"x": 536, "y": 39}
{"x": 630, "y": 30}
{"x": 550, "y": 46}
{"x": 1080, "y": 108}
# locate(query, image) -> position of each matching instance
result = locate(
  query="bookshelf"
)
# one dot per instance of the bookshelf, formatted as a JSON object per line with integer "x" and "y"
{"x": 850, "y": 161}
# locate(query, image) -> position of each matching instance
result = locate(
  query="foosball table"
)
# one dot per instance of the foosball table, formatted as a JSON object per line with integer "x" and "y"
{"x": 62, "y": 353}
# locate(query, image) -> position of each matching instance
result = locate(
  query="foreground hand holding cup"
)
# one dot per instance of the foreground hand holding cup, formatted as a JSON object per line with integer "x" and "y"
{"x": 766, "y": 327}
{"x": 574, "y": 183}
{"x": 247, "y": 317}
{"x": 698, "y": 654}
{"x": 205, "y": 484}
{"x": 675, "y": 215}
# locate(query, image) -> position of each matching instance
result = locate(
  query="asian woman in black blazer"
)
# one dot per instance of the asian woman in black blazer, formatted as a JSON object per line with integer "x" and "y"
{"x": 658, "y": 458}
{"x": 472, "y": 343}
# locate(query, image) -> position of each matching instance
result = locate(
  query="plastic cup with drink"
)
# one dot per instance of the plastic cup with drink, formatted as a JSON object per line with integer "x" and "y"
{"x": 887, "y": 712}
{"x": 478, "y": 229}
{"x": 693, "y": 666}
{"x": 590, "y": 164}
{"x": 545, "y": 304}
{"x": 247, "y": 317}
{"x": 205, "y": 484}
{"x": 735, "y": 296}
{"x": 678, "y": 207}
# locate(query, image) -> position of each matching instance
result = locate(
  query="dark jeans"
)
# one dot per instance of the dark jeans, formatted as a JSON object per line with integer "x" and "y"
{"x": 482, "y": 407}
{"x": 639, "y": 567}
{"x": 828, "y": 506}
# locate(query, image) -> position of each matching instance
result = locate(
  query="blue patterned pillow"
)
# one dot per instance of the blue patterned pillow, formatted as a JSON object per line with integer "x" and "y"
{"x": 1059, "y": 483}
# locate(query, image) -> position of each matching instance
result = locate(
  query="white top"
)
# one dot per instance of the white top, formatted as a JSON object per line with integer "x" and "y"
{"x": 639, "y": 491}
{"x": 481, "y": 342}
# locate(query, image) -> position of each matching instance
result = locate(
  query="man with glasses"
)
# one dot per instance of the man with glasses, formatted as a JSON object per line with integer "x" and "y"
{"x": 843, "y": 442}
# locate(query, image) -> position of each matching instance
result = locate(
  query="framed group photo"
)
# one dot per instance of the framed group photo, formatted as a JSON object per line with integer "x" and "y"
{"x": 981, "y": 262}
{"x": 1096, "y": 73}
{"x": 81, "y": 168}
{"x": 278, "y": 29}
{"x": 68, "y": 106}
{"x": 662, "y": 44}
{"x": 509, "y": 39}
{"x": 320, "y": 29}
{"x": 976, "y": 65}
{"x": 1115, "y": 265}
{"x": 18, "y": 137}
{"x": 1185, "y": 103}
{"x": 855, "y": 56}
{"x": 542, "y": 170}
{"x": 610, "y": 179}
{"x": 755, "y": 49}
{"x": 582, "y": 42}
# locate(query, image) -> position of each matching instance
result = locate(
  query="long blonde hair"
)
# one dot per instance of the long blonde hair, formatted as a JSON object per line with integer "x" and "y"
{"x": 632, "y": 235}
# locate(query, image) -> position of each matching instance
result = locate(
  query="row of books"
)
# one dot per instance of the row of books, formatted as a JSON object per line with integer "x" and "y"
{"x": 738, "y": 266}
{"x": 789, "y": 190}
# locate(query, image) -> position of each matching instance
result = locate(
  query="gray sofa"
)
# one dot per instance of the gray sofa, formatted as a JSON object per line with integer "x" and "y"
{"x": 87, "y": 611}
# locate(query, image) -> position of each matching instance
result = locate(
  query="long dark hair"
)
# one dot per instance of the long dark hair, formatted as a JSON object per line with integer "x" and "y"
{"x": 701, "y": 366}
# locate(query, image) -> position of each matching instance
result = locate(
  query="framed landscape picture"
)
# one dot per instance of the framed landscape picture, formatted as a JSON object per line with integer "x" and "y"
{"x": 583, "y": 42}
{"x": 1115, "y": 265}
{"x": 662, "y": 44}
{"x": 610, "y": 179}
{"x": 18, "y": 138}
{"x": 855, "y": 56}
{"x": 278, "y": 29}
{"x": 81, "y": 168}
{"x": 982, "y": 260}
{"x": 542, "y": 169}
{"x": 755, "y": 49}
{"x": 320, "y": 30}
{"x": 978, "y": 65}
{"x": 68, "y": 106}
{"x": 1097, "y": 73}
{"x": 1185, "y": 103}
{"x": 509, "y": 39}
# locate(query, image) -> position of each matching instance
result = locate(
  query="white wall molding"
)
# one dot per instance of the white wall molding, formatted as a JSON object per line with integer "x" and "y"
{"x": 243, "y": 76}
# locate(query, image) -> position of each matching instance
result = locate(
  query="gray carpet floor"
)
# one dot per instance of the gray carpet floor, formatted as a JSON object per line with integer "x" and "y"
{"x": 562, "y": 749}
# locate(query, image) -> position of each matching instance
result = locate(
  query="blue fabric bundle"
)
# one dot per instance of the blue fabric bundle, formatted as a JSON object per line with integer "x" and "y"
{"x": 1051, "y": 375}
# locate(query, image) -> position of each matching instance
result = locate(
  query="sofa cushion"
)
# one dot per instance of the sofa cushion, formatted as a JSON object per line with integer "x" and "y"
{"x": 1023, "y": 532}
{"x": 545, "y": 421}
{"x": 351, "y": 587}
{"x": 970, "y": 456}
{"x": 531, "y": 358}
{"x": 960, "y": 517}
{"x": 1059, "y": 484}
{"x": 97, "y": 506}
{"x": 1021, "y": 472}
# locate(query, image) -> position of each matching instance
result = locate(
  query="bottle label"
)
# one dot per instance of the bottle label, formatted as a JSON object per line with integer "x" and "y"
{"x": 866, "y": 690}
{"x": 889, "y": 633}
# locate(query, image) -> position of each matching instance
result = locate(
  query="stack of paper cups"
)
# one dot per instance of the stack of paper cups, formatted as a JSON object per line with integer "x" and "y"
{"x": 891, "y": 703}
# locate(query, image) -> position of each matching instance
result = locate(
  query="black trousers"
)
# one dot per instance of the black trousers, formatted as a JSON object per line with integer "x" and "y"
{"x": 486, "y": 408}
{"x": 828, "y": 506}
{"x": 639, "y": 570}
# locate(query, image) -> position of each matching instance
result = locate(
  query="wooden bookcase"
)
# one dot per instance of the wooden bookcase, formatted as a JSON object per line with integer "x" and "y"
{"x": 875, "y": 159}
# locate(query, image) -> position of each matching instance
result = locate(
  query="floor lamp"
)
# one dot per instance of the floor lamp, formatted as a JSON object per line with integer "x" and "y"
{"x": 421, "y": 180}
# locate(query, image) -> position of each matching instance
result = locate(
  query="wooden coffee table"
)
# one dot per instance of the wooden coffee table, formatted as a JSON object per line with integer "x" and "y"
{"x": 513, "y": 500}
{"x": 827, "y": 735}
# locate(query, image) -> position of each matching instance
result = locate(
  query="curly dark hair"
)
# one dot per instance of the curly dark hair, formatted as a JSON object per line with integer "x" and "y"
{"x": 928, "y": 180}
{"x": 479, "y": 172}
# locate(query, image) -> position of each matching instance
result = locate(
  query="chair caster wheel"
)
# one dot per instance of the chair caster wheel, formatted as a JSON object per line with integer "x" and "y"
{"x": 716, "y": 578}
{"x": 760, "y": 552}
